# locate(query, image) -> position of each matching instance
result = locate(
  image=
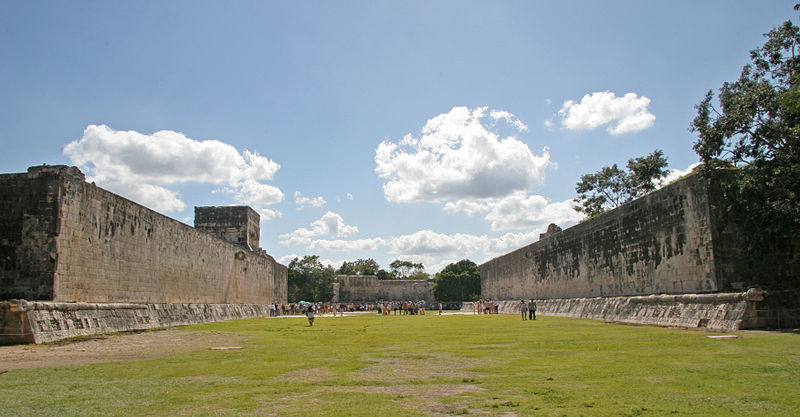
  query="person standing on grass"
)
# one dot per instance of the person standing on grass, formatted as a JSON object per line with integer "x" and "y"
{"x": 310, "y": 315}
{"x": 532, "y": 309}
{"x": 523, "y": 308}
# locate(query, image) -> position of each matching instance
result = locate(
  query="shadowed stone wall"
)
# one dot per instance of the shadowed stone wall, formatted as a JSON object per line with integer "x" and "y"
{"x": 368, "y": 288}
{"x": 62, "y": 239}
{"x": 661, "y": 243}
{"x": 680, "y": 239}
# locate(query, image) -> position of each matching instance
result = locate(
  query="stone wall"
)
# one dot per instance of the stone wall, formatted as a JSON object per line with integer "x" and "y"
{"x": 45, "y": 321}
{"x": 661, "y": 243}
{"x": 368, "y": 288}
{"x": 62, "y": 239}
{"x": 719, "y": 311}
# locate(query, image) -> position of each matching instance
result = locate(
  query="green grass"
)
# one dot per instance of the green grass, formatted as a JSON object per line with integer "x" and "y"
{"x": 432, "y": 365}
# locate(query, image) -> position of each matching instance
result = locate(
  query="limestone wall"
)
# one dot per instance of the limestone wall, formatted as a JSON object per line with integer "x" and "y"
{"x": 368, "y": 288}
{"x": 720, "y": 311}
{"x": 68, "y": 240}
{"x": 661, "y": 243}
{"x": 44, "y": 322}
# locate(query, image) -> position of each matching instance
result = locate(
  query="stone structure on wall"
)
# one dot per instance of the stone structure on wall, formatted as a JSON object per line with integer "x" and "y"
{"x": 235, "y": 224}
{"x": 673, "y": 241}
{"x": 368, "y": 289}
{"x": 63, "y": 240}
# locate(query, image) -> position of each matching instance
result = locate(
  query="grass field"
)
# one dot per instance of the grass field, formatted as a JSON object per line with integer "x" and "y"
{"x": 431, "y": 365}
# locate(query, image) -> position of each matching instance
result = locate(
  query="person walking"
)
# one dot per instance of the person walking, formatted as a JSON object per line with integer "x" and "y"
{"x": 310, "y": 315}
{"x": 532, "y": 309}
{"x": 523, "y": 308}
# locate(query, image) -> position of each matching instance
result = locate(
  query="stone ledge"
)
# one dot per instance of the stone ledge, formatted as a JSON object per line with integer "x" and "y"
{"x": 43, "y": 321}
{"x": 719, "y": 311}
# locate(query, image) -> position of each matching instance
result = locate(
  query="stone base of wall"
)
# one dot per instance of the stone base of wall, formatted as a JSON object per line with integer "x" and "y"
{"x": 753, "y": 309}
{"x": 43, "y": 321}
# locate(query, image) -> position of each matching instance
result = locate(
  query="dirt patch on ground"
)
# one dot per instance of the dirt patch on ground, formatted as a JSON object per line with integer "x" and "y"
{"x": 112, "y": 348}
{"x": 426, "y": 398}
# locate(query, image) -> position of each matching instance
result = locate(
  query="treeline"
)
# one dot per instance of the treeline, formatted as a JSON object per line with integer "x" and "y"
{"x": 311, "y": 280}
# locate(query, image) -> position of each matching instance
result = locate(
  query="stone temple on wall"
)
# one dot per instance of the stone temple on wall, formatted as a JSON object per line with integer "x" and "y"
{"x": 76, "y": 259}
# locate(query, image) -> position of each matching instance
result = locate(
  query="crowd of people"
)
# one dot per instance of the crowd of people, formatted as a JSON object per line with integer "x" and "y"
{"x": 387, "y": 308}
{"x": 293, "y": 309}
{"x": 384, "y": 308}
{"x": 486, "y": 307}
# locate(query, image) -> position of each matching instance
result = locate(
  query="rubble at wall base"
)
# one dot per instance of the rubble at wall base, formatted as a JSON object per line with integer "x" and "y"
{"x": 45, "y": 321}
{"x": 719, "y": 311}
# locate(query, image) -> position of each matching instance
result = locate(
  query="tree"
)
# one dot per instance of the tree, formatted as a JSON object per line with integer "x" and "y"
{"x": 754, "y": 127}
{"x": 407, "y": 270}
{"x": 359, "y": 267}
{"x": 611, "y": 187}
{"x": 459, "y": 281}
{"x": 309, "y": 280}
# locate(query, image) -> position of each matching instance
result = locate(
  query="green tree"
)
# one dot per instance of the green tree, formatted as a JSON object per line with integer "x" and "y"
{"x": 359, "y": 267}
{"x": 309, "y": 280}
{"x": 383, "y": 274}
{"x": 753, "y": 127}
{"x": 460, "y": 281}
{"x": 611, "y": 187}
{"x": 407, "y": 270}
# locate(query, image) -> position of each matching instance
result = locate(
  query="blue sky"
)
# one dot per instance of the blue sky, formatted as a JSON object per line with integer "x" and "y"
{"x": 430, "y": 131}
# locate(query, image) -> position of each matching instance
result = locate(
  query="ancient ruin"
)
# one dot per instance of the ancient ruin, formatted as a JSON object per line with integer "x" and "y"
{"x": 642, "y": 261}
{"x": 92, "y": 261}
{"x": 76, "y": 259}
{"x": 368, "y": 289}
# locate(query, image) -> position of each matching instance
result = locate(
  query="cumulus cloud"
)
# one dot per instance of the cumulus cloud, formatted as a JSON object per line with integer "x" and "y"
{"x": 626, "y": 114}
{"x": 458, "y": 157}
{"x": 674, "y": 174}
{"x": 301, "y": 201}
{"x": 426, "y": 242}
{"x": 330, "y": 224}
{"x": 435, "y": 250}
{"x": 520, "y": 211}
{"x": 141, "y": 166}
{"x": 254, "y": 193}
{"x": 431, "y": 247}
{"x": 509, "y": 118}
{"x": 365, "y": 245}
{"x": 268, "y": 214}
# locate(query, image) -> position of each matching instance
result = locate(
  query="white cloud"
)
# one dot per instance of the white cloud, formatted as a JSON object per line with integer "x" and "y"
{"x": 625, "y": 114}
{"x": 254, "y": 193}
{"x": 268, "y": 214}
{"x": 508, "y": 117}
{"x": 519, "y": 211}
{"x": 433, "y": 247}
{"x": 426, "y": 242}
{"x": 301, "y": 201}
{"x": 469, "y": 206}
{"x": 140, "y": 166}
{"x": 330, "y": 224}
{"x": 674, "y": 174}
{"x": 365, "y": 245}
{"x": 457, "y": 157}
{"x": 150, "y": 195}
